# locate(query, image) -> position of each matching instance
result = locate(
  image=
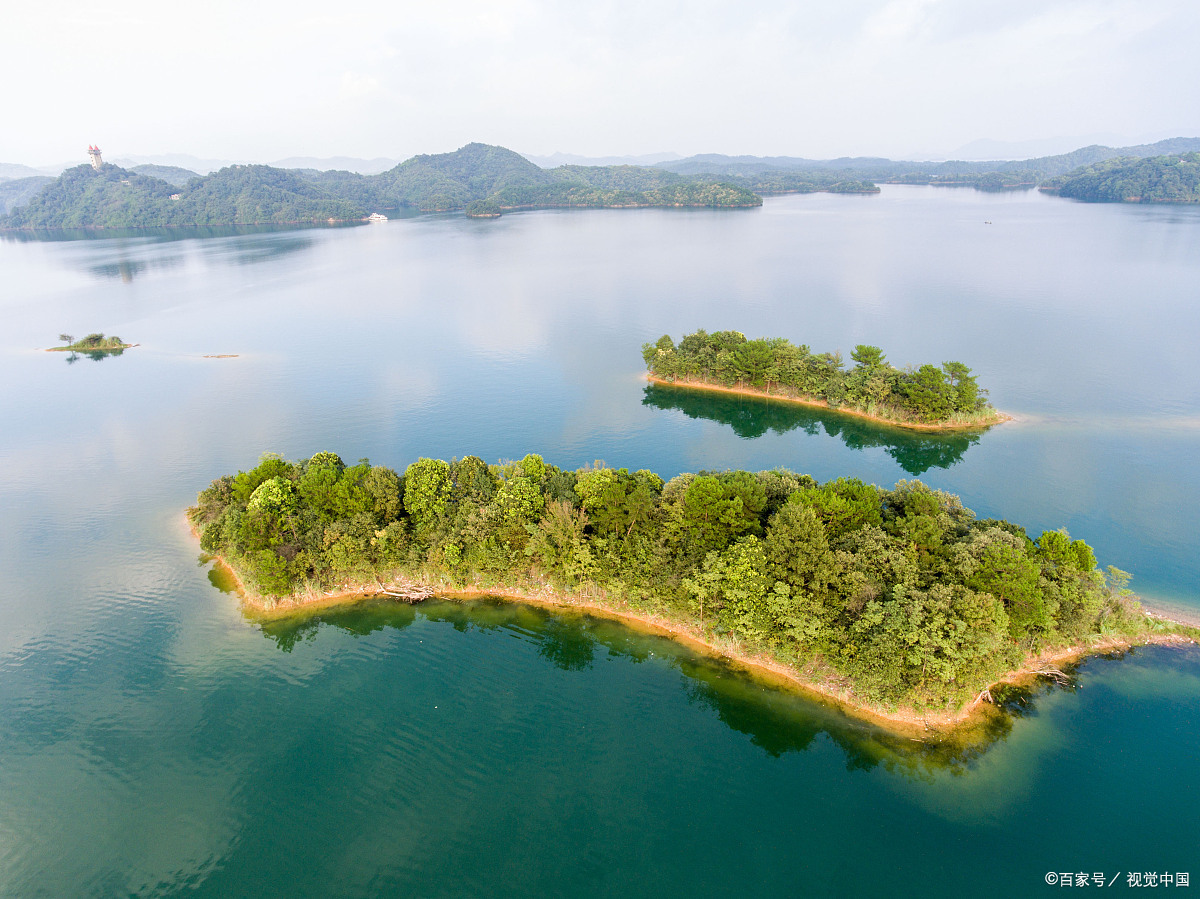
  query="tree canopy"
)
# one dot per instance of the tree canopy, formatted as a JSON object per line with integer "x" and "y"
{"x": 902, "y": 590}
{"x": 1159, "y": 179}
{"x": 928, "y": 395}
{"x": 478, "y": 178}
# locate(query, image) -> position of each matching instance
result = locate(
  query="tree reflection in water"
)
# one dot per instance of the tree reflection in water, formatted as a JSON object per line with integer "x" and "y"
{"x": 914, "y": 451}
{"x": 777, "y": 720}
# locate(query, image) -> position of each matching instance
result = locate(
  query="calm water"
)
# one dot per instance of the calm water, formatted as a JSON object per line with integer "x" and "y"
{"x": 153, "y": 740}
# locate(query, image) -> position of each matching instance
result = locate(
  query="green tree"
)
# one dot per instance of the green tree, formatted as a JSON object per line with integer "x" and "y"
{"x": 753, "y": 359}
{"x": 734, "y": 583}
{"x": 966, "y": 390}
{"x": 427, "y": 492}
{"x": 868, "y": 356}
{"x": 710, "y": 516}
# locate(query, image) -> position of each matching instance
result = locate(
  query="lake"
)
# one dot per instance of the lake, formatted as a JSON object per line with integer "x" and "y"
{"x": 155, "y": 740}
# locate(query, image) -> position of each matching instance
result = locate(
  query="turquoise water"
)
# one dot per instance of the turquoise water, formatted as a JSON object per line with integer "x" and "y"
{"x": 153, "y": 740}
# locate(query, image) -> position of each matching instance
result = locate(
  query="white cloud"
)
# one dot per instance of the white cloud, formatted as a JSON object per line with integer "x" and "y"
{"x": 356, "y": 84}
{"x": 372, "y": 78}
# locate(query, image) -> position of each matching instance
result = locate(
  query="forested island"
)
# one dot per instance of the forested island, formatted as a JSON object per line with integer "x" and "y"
{"x": 914, "y": 450}
{"x": 1159, "y": 179}
{"x": 893, "y": 599}
{"x": 92, "y": 343}
{"x": 942, "y": 397}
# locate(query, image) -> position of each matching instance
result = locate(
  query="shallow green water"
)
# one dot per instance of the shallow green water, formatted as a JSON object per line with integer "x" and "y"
{"x": 153, "y": 740}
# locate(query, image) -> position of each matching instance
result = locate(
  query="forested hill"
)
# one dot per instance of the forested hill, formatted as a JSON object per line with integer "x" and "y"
{"x": 484, "y": 179}
{"x": 1161, "y": 179}
{"x": 114, "y": 197}
{"x": 771, "y": 174}
{"x": 172, "y": 174}
{"x": 19, "y": 191}
{"x": 487, "y": 180}
{"x": 478, "y": 178}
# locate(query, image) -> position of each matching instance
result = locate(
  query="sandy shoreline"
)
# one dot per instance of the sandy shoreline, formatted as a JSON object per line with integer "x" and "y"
{"x": 95, "y": 349}
{"x": 821, "y": 404}
{"x": 822, "y": 685}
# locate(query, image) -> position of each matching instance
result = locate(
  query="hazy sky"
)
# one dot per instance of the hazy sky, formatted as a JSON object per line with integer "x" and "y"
{"x": 266, "y": 79}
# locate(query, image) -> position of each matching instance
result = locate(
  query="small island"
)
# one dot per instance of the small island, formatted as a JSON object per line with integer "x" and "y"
{"x": 927, "y": 398}
{"x": 92, "y": 343}
{"x": 897, "y": 603}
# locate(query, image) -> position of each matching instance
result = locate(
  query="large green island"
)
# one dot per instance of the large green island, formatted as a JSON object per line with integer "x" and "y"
{"x": 898, "y": 603}
{"x": 928, "y": 398}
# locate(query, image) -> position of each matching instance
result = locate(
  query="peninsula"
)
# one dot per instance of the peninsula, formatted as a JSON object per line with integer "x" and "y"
{"x": 927, "y": 398}
{"x": 1127, "y": 179}
{"x": 898, "y": 603}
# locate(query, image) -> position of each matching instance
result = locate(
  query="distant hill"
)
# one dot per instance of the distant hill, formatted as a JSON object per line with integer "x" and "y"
{"x": 484, "y": 179}
{"x": 480, "y": 179}
{"x": 1159, "y": 179}
{"x": 554, "y": 160}
{"x": 990, "y": 149}
{"x": 757, "y": 172}
{"x": 172, "y": 174}
{"x": 199, "y": 164}
{"x": 259, "y": 194}
{"x": 449, "y": 181}
{"x": 13, "y": 170}
{"x": 19, "y": 191}
{"x": 488, "y": 180}
{"x": 114, "y": 197}
{"x": 337, "y": 163}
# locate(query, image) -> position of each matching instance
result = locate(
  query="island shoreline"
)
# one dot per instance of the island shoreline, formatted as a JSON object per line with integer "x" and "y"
{"x": 687, "y": 384}
{"x": 834, "y": 690}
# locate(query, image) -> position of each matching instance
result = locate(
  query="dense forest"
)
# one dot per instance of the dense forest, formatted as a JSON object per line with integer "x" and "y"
{"x": 91, "y": 343}
{"x": 19, "y": 191}
{"x": 478, "y": 178}
{"x": 903, "y": 591}
{"x": 931, "y": 395}
{"x": 172, "y": 174}
{"x": 114, "y": 197}
{"x": 1160, "y": 179}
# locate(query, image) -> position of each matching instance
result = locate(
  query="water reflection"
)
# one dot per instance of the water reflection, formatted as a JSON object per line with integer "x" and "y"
{"x": 160, "y": 235}
{"x": 287, "y": 632}
{"x": 751, "y": 417}
{"x": 125, "y": 269}
{"x": 126, "y": 254}
{"x": 255, "y": 248}
{"x": 776, "y": 720}
{"x": 94, "y": 355}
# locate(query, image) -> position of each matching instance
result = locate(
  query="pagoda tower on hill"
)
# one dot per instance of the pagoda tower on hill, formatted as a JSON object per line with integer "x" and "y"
{"x": 94, "y": 156}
